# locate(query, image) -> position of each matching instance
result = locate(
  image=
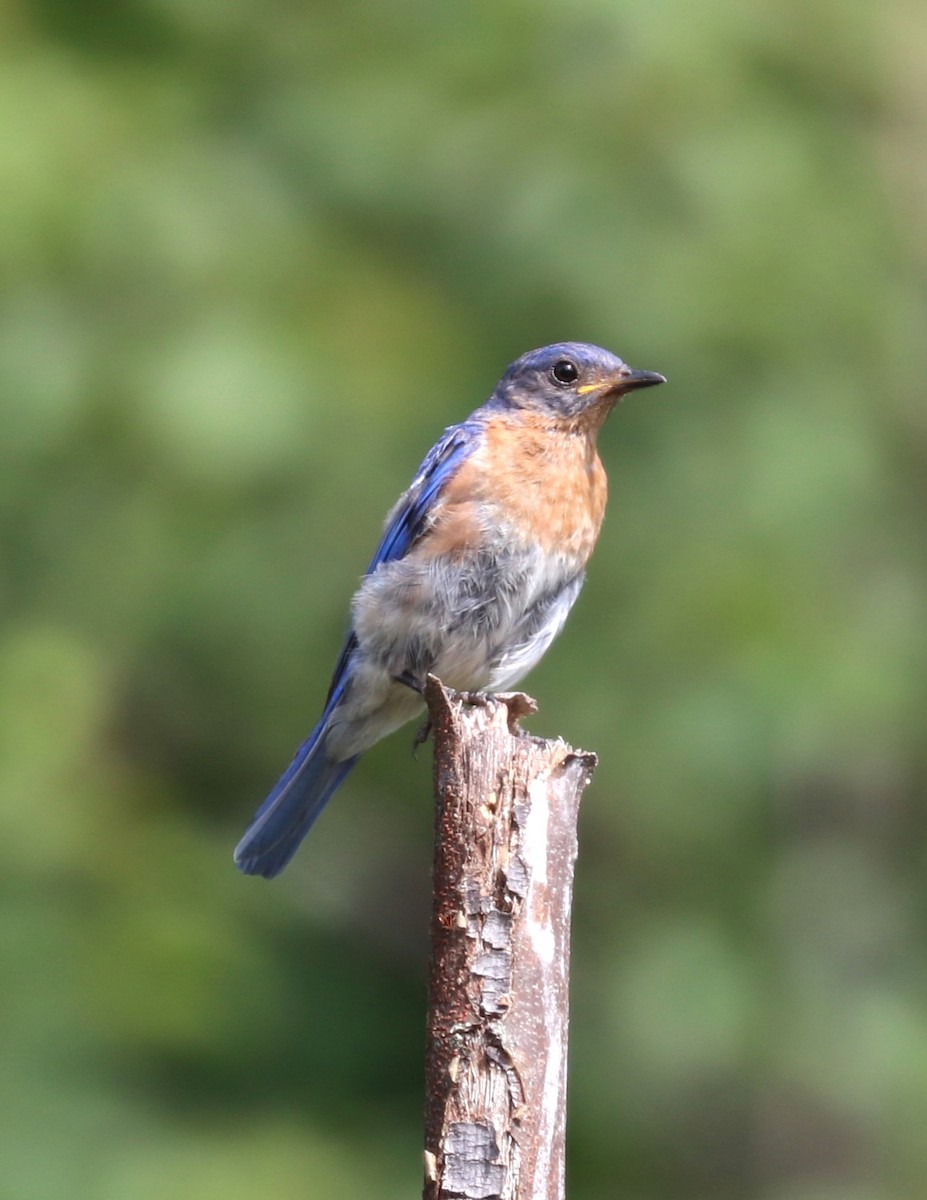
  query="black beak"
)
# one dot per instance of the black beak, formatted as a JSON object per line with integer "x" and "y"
{"x": 629, "y": 380}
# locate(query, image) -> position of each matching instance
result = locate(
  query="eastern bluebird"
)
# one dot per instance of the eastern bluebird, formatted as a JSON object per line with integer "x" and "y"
{"x": 480, "y": 563}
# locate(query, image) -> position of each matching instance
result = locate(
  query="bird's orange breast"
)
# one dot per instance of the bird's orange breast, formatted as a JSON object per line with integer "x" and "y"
{"x": 546, "y": 481}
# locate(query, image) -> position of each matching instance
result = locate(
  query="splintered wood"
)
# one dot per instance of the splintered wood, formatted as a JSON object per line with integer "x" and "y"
{"x": 505, "y": 845}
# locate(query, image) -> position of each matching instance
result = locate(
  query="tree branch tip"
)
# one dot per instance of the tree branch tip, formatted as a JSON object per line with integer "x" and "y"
{"x": 587, "y": 759}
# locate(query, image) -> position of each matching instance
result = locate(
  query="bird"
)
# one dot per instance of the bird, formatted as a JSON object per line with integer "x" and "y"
{"x": 480, "y": 562}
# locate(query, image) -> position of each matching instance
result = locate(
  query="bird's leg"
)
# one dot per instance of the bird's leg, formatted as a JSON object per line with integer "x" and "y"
{"x": 407, "y": 679}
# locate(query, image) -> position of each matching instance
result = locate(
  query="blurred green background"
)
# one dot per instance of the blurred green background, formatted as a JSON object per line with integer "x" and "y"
{"x": 253, "y": 258}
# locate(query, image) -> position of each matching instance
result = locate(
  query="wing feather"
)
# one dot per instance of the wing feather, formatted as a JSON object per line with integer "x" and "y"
{"x": 408, "y": 518}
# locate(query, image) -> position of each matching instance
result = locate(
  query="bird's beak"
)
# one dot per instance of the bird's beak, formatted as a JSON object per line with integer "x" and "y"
{"x": 624, "y": 380}
{"x": 629, "y": 380}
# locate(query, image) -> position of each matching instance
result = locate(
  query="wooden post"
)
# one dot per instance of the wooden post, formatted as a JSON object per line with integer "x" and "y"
{"x": 505, "y": 845}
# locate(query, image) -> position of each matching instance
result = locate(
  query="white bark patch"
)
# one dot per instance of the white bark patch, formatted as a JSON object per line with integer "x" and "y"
{"x": 534, "y": 852}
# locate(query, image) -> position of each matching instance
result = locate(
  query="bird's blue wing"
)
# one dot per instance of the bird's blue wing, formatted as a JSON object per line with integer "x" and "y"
{"x": 303, "y": 790}
{"x": 406, "y": 523}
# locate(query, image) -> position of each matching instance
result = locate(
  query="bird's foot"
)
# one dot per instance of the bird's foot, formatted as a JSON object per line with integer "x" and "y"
{"x": 478, "y": 699}
{"x": 518, "y": 704}
{"x": 422, "y": 734}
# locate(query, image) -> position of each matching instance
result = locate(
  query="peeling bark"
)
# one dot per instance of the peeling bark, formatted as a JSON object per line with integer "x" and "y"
{"x": 505, "y": 845}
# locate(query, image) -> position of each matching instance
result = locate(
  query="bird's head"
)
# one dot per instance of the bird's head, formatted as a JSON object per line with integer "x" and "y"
{"x": 570, "y": 381}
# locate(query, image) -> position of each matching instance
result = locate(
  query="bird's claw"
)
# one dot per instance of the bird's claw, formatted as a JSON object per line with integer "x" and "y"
{"x": 478, "y": 699}
{"x": 422, "y": 734}
{"x": 518, "y": 704}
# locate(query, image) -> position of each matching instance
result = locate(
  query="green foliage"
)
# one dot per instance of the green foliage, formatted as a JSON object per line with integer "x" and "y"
{"x": 254, "y": 259}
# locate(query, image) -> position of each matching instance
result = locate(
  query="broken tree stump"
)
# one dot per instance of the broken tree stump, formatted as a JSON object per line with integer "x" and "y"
{"x": 505, "y": 845}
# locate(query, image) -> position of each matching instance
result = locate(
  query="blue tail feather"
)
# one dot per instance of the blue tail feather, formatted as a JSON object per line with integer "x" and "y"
{"x": 288, "y": 813}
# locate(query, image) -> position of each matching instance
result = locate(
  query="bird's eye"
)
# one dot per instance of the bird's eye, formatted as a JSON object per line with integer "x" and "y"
{"x": 564, "y": 371}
